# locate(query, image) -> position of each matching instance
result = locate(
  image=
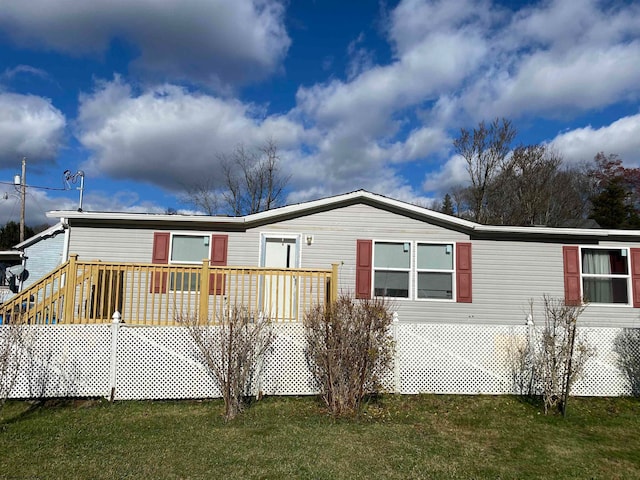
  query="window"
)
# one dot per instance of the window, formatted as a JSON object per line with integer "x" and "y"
{"x": 187, "y": 249}
{"x": 417, "y": 270}
{"x": 434, "y": 267}
{"x": 392, "y": 267}
{"x": 605, "y": 275}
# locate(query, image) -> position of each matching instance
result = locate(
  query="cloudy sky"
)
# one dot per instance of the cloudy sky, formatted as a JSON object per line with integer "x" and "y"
{"x": 143, "y": 95}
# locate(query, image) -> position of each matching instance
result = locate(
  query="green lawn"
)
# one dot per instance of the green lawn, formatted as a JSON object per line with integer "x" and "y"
{"x": 398, "y": 437}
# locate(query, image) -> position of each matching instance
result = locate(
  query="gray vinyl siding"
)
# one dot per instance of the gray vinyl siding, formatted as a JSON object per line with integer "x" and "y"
{"x": 506, "y": 274}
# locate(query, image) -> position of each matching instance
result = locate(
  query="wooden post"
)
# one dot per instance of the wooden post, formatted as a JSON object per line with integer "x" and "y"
{"x": 70, "y": 288}
{"x": 203, "y": 311}
{"x": 334, "y": 282}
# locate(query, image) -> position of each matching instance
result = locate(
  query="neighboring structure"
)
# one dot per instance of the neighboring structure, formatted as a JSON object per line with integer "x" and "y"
{"x": 42, "y": 253}
{"x": 8, "y": 259}
{"x": 435, "y": 268}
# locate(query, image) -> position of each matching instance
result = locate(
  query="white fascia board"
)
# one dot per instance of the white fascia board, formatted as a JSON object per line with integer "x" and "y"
{"x": 592, "y": 232}
{"x": 58, "y": 227}
{"x": 142, "y": 217}
{"x": 357, "y": 195}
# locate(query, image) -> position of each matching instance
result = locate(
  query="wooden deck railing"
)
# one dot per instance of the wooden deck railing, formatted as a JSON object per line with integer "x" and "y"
{"x": 150, "y": 294}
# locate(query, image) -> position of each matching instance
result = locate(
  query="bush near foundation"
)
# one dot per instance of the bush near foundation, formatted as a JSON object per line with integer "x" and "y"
{"x": 349, "y": 350}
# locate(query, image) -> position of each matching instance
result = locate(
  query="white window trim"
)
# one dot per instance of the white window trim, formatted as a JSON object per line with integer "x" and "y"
{"x": 599, "y": 275}
{"x": 410, "y": 270}
{"x": 423, "y": 270}
{"x": 188, "y": 234}
{"x": 175, "y": 262}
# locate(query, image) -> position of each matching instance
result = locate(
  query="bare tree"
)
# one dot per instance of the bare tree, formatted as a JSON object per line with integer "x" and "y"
{"x": 232, "y": 348}
{"x": 203, "y": 195}
{"x": 251, "y": 181}
{"x": 484, "y": 149}
{"x": 553, "y": 357}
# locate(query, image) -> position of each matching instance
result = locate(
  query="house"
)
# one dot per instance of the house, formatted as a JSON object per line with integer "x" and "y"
{"x": 434, "y": 268}
{"x": 42, "y": 253}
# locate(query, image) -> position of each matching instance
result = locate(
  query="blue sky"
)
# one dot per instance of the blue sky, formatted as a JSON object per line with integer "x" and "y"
{"x": 144, "y": 96}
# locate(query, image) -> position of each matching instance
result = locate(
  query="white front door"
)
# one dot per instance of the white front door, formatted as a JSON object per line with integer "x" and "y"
{"x": 279, "y": 288}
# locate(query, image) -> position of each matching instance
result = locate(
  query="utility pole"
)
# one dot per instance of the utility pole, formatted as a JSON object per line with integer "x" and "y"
{"x": 23, "y": 196}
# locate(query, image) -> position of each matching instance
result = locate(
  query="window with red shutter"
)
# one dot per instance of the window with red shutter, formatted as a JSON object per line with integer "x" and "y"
{"x": 160, "y": 255}
{"x": 364, "y": 252}
{"x": 219, "y": 245}
{"x": 464, "y": 281}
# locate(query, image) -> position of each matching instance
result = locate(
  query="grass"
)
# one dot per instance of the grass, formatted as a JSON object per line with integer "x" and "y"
{"x": 424, "y": 436}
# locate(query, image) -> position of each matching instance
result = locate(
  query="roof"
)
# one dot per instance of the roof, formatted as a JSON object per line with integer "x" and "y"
{"x": 49, "y": 232}
{"x": 330, "y": 203}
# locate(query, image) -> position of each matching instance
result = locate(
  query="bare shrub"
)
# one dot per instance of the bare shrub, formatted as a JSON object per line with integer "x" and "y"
{"x": 232, "y": 348}
{"x": 554, "y": 355}
{"x": 349, "y": 350}
{"x": 15, "y": 338}
{"x": 627, "y": 346}
{"x": 520, "y": 359}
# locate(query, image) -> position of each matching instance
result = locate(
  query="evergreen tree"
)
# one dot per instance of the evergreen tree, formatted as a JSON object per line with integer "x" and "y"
{"x": 447, "y": 205}
{"x": 615, "y": 201}
{"x": 10, "y": 235}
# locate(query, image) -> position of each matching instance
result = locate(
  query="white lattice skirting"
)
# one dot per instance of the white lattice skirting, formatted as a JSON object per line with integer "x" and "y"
{"x": 132, "y": 362}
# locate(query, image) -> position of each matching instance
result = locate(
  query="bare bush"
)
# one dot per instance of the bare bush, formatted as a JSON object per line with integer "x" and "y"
{"x": 15, "y": 338}
{"x": 627, "y": 346}
{"x": 554, "y": 356}
{"x": 349, "y": 350}
{"x": 232, "y": 348}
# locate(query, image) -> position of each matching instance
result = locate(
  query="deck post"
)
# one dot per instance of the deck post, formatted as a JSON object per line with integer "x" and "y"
{"x": 70, "y": 288}
{"x": 203, "y": 312}
{"x": 334, "y": 283}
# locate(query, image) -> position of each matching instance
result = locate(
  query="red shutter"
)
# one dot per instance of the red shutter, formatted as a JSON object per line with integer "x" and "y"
{"x": 635, "y": 276}
{"x": 571, "y": 260}
{"x": 364, "y": 253}
{"x": 463, "y": 273}
{"x": 160, "y": 255}
{"x": 218, "y": 259}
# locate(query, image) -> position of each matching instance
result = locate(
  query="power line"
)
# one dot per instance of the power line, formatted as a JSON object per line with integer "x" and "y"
{"x": 36, "y": 186}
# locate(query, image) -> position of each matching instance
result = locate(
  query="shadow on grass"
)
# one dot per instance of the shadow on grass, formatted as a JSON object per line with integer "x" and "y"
{"x": 35, "y": 406}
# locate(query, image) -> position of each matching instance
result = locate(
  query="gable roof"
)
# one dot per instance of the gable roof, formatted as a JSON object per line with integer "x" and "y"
{"x": 49, "y": 232}
{"x": 330, "y": 203}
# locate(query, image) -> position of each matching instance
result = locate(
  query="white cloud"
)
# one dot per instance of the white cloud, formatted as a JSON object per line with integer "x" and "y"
{"x": 621, "y": 137}
{"x": 168, "y": 136}
{"x": 451, "y": 174}
{"x": 558, "y": 58}
{"x": 29, "y": 126}
{"x": 454, "y": 63}
{"x": 215, "y": 42}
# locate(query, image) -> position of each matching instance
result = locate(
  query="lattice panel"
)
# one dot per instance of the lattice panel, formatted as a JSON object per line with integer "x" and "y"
{"x": 462, "y": 359}
{"x": 61, "y": 361}
{"x": 160, "y": 363}
{"x": 163, "y": 362}
{"x": 602, "y": 376}
{"x": 285, "y": 369}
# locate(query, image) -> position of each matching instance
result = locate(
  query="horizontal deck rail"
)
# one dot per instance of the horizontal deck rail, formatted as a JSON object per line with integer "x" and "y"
{"x": 80, "y": 292}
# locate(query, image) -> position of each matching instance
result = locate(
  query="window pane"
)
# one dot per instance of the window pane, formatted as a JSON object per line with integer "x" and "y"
{"x": 605, "y": 290}
{"x": 604, "y": 262}
{"x": 392, "y": 255}
{"x": 435, "y": 257}
{"x": 189, "y": 248}
{"x": 185, "y": 282}
{"x": 435, "y": 285}
{"x": 391, "y": 284}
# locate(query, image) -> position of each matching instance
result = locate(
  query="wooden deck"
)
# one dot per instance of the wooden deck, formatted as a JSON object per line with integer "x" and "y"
{"x": 80, "y": 292}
